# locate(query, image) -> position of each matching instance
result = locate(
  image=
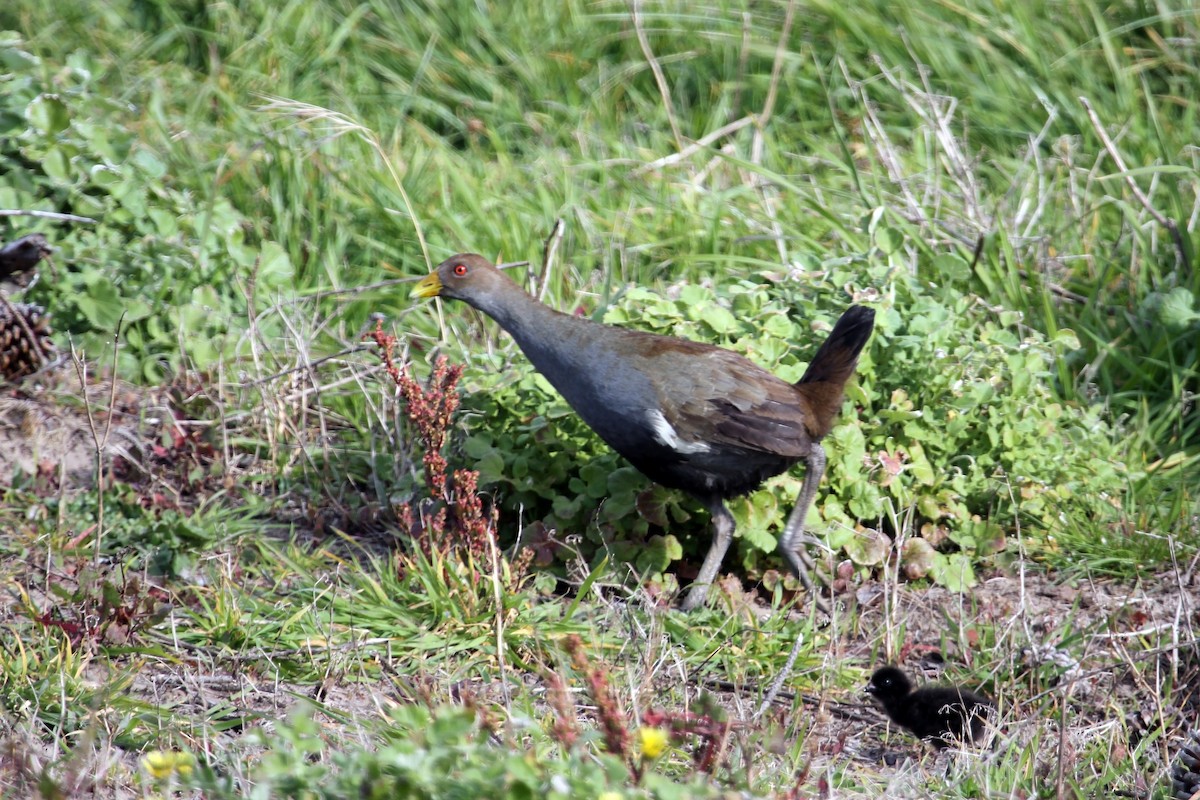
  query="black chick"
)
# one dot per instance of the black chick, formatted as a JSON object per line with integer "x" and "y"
{"x": 940, "y": 715}
{"x": 19, "y": 260}
{"x": 1185, "y": 774}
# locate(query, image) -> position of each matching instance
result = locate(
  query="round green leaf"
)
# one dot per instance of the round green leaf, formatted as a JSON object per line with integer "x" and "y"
{"x": 869, "y": 547}
{"x": 48, "y": 114}
{"x": 951, "y": 267}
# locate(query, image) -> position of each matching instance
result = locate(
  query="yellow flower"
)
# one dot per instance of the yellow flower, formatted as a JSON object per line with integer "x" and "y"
{"x": 161, "y": 765}
{"x": 652, "y": 742}
{"x": 611, "y": 796}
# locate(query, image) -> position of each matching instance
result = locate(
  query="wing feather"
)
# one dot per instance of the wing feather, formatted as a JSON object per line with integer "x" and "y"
{"x": 736, "y": 404}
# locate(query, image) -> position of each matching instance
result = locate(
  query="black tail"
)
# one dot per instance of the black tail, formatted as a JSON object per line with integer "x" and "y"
{"x": 835, "y": 360}
{"x": 825, "y": 379}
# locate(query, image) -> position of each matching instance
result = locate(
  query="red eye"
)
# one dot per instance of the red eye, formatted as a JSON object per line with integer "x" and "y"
{"x": 460, "y": 270}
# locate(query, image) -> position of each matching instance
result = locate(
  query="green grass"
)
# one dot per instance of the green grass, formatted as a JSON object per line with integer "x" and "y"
{"x": 262, "y": 174}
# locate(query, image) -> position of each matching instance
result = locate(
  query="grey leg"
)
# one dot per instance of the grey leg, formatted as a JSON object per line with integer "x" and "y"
{"x": 723, "y": 525}
{"x": 791, "y": 541}
{"x": 792, "y": 544}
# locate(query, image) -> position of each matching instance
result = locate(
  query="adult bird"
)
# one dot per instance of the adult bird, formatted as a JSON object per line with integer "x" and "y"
{"x": 940, "y": 715}
{"x": 689, "y": 416}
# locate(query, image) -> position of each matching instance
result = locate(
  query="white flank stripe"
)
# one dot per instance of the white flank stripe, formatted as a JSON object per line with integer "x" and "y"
{"x": 667, "y": 435}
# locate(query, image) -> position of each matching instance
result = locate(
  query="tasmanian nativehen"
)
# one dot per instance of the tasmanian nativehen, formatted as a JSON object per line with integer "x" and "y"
{"x": 689, "y": 416}
{"x": 940, "y": 715}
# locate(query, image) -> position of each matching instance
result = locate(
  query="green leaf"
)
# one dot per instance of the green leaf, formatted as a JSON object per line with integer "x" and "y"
{"x": 918, "y": 465}
{"x": 869, "y": 547}
{"x": 57, "y": 165}
{"x": 888, "y": 239}
{"x": 625, "y": 481}
{"x": 202, "y": 351}
{"x": 137, "y": 309}
{"x": 953, "y": 571}
{"x": 1177, "y": 310}
{"x": 779, "y": 326}
{"x": 691, "y": 295}
{"x": 952, "y": 268}
{"x": 164, "y": 222}
{"x": 652, "y": 505}
{"x": 478, "y": 445}
{"x": 755, "y": 514}
{"x": 918, "y": 558}
{"x": 11, "y": 123}
{"x": 979, "y": 537}
{"x": 104, "y": 177}
{"x": 596, "y": 572}
{"x": 101, "y": 305}
{"x": 720, "y": 320}
{"x": 14, "y": 60}
{"x": 48, "y": 114}
{"x": 595, "y": 480}
{"x": 658, "y": 553}
{"x": 1066, "y": 339}
{"x": 149, "y": 163}
{"x": 274, "y": 265}
{"x": 490, "y": 467}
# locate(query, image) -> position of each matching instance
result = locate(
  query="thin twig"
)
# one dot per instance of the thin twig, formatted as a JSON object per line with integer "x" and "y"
{"x": 8, "y": 212}
{"x": 1061, "y": 774}
{"x": 758, "y": 144}
{"x": 1109, "y": 666}
{"x": 259, "y": 654}
{"x": 743, "y": 60}
{"x": 858, "y": 712}
{"x": 498, "y": 591}
{"x": 548, "y": 253}
{"x": 307, "y": 365}
{"x": 1181, "y": 251}
{"x": 777, "y": 67}
{"x": 781, "y": 678}
{"x": 99, "y": 442}
{"x": 353, "y": 290}
{"x": 699, "y": 144}
{"x": 659, "y": 78}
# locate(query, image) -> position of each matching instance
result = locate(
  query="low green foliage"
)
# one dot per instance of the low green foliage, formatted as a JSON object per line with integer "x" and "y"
{"x": 445, "y": 752}
{"x": 164, "y": 541}
{"x": 170, "y": 265}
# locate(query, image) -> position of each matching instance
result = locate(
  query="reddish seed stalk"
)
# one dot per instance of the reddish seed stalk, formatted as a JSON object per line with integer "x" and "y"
{"x": 612, "y": 719}
{"x": 712, "y": 733}
{"x": 459, "y": 520}
{"x": 565, "y": 730}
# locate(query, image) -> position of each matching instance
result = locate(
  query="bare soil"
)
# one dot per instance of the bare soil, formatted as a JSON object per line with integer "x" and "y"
{"x": 1114, "y": 661}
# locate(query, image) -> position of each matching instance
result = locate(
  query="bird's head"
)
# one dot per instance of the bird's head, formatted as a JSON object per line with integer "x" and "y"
{"x": 888, "y": 682}
{"x": 465, "y": 276}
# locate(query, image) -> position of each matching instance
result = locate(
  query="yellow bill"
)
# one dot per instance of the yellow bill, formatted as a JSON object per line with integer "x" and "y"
{"x": 429, "y": 286}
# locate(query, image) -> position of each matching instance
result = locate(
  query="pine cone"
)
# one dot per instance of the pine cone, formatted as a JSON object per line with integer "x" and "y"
{"x": 1185, "y": 774}
{"x": 25, "y": 344}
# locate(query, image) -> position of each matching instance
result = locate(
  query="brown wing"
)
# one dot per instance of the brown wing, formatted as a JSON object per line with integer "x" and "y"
{"x": 724, "y": 399}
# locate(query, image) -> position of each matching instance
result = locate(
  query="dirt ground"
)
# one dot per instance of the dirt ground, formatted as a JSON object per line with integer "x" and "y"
{"x": 47, "y": 435}
{"x": 1116, "y": 693}
{"x": 1119, "y": 661}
